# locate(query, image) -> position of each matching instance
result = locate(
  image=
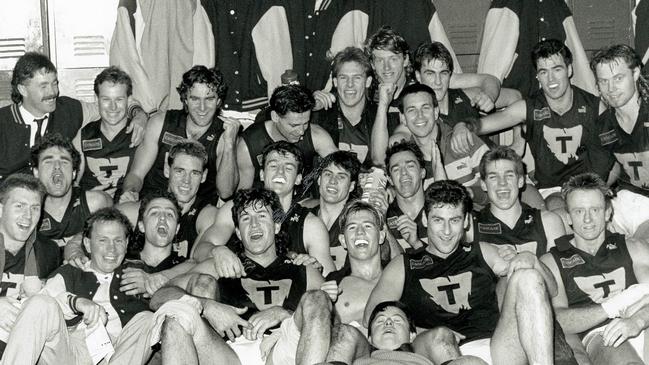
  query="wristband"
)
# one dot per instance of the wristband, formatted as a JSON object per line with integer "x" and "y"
{"x": 72, "y": 302}
{"x": 194, "y": 302}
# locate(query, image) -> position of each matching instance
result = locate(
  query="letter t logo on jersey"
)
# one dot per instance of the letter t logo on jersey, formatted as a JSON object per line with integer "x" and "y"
{"x": 600, "y": 287}
{"x": 266, "y": 294}
{"x": 451, "y": 293}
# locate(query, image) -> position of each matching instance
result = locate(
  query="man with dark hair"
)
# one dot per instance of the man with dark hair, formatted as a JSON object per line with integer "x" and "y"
{"x": 559, "y": 122}
{"x": 267, "y": 295}
{"x": 389, "y": 54}
{"x": 453, "y": 286}
{"x": 151, "y": 260}
{"x": 337, "y": 182}
{"x": 349, "y": 123}
{"x": 290, "y": 115}
{"x": 506, "y": 221}
{"x": 419, "y": 112}
{"x": 66, "y": 207}
{"x": 86, "y": 294}
{"x": 187, "y": 162}
{"x": 37, "y": 110}
{"x": 306, "y": 234}
{"x": 602, "y": 277}
{"x": 202, "y": 92}
{"x": 407, "y": 174}
{"x": 106, "y": 152}
{"x": 621, "y": 131}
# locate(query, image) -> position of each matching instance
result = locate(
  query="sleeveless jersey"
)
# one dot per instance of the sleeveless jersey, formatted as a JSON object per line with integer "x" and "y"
{"x": 590, "y": 279}
{"x": 393, "y": 213}
{"x": 630, "y": 150}
{"x": 462, "y": 167}
{"x": 560, "y": 143}
{"x": 458, "y": 292}
{"x": 338, "y": 252}
{"x": 528, "y": 233}
{"x": 72, "y": 222}
{"x": 279, "y": 284}
{"x": 106, "y": 162}
{"x": 256, "y": 137}
{"x": 174, "y": 131}
{"x": 186, "y": 236}
{"x": 347, "y": 137}
{"x": 293, "y": 228}
{"x": 459, "y": 108}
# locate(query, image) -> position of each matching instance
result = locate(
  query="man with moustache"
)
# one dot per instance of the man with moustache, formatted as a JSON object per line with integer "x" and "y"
{"x": 37, "y": 110}
{"x": 202, "y": 92}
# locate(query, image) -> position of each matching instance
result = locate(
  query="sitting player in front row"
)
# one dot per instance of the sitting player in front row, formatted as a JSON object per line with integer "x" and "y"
{"x": 50, "y": 323}
{"x": 452, "y": 284}
{"x": 602, "y": 277}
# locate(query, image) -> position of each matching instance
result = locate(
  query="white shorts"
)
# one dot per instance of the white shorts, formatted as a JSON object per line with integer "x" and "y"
{"x": 630, "y": 210}
{"x": 636, "y": 342}
{"x": 545, "y": 193}
{"x": 287, "y": 337}
{"x": 478, "y": 348}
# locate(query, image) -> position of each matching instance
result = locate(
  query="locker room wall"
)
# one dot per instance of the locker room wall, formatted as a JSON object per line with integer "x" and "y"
{"x": 76, "y": 34}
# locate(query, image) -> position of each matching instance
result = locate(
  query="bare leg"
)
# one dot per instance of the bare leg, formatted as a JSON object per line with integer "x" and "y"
{"x": 313, "y": 318}
{"x": 437, "y": 344}
{"x": 524, "y": 332}
{"x": 347, "y": 344}
{"x": 623, "y": 354}
{"x": 177, "y": 345}
{"x": 203, "y": 285}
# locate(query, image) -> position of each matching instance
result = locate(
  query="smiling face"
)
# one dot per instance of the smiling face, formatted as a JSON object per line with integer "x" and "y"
{"x": 617, "y": 82}
{"x": 351, "y": 83}
{"x": 362, "y": 235}
{"x": 257, "y": 230}
{"x": 185, "y": 177}
{"x": 419, "y": 114}
{"x": 55, "y": 171}
{"x": 202, "y": 103}
{"x": 389, "y": 67}
{"x": 20, "y": 214}
{"x": 160, "y": 222}
{"x": 112, "y": 102}
{"x": 406, "y": 174}
{"x": 390, "y": 329}
{"x": 502, "y": 183}
{"x": 280, "y": 173}
{"x": 554, "y": 76}
{"x": 446, "y": 227}
{"x": 435, "y": 74}
{"x": 107, "y": 246}
{"x": 335, "y": 184}
{"x": 40, "y": 92}
{"x": 291, "y": 126}
{"x": 587, "y": 213}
